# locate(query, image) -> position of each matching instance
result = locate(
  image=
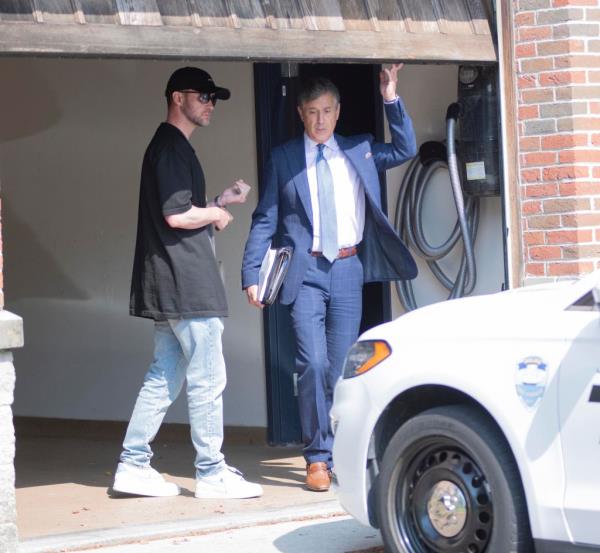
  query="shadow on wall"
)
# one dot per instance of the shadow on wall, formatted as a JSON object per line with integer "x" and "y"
{"x": 30, "y": 271}
{"x": 37, "y": 104}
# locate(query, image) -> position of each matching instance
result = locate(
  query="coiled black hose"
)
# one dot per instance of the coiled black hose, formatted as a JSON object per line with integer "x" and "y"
{"x": 432, "y": 157}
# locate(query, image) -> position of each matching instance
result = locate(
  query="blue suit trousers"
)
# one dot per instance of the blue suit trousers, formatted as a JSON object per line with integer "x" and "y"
{"x": 326, "y": 318}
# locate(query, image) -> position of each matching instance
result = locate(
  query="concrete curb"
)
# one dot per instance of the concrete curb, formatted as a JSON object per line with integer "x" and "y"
{"x": 62, "y": 543}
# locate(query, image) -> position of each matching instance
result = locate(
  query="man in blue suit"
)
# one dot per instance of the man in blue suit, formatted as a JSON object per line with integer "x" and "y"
{"x": 321, "y": 195}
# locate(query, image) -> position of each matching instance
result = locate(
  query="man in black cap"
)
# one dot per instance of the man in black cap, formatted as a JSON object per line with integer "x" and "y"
{"x": 176, "y": 282}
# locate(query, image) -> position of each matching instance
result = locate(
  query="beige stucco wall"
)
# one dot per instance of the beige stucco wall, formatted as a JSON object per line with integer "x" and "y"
{"x": 72, "y": 139}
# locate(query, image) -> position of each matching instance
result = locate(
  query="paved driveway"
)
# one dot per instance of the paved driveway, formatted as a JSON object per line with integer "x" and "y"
{"x": 339, "y": 534}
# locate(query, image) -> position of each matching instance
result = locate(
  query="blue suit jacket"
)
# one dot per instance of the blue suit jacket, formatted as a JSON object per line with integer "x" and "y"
{"x": 283, "y": 216}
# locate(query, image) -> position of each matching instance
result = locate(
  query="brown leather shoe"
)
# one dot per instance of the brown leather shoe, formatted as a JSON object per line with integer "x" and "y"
{"x": 318, "y": 477}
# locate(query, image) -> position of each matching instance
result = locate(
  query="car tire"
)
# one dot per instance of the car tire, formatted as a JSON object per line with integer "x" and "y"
{"x": 449, "y": 483}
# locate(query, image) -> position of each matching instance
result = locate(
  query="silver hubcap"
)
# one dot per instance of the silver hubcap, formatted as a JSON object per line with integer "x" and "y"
{"x": 447, "y": 508}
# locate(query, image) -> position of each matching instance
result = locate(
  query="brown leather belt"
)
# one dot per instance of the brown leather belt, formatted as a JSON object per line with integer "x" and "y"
{"x": 343, "y": 252}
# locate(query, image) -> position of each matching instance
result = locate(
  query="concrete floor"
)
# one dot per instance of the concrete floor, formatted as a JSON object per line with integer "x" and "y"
{"x": 62, "y": 485}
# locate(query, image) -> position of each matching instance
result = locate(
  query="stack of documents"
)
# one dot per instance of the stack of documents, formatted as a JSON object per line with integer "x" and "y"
{"x": 272, "y": 272}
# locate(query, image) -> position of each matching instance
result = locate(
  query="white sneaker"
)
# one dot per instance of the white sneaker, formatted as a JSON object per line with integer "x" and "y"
{"x": 135, "y": 480}
{"x": 228, "y": 483}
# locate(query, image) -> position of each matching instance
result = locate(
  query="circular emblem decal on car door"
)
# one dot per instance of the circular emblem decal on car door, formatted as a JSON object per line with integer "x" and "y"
{"x": 531, "y": 380}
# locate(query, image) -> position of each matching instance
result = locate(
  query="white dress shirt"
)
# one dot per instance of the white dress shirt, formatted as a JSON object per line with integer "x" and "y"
{"x": 348, "y": 192}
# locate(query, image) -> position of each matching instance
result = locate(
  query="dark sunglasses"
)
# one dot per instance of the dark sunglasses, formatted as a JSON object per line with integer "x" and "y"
{"x": 203, "y": 97}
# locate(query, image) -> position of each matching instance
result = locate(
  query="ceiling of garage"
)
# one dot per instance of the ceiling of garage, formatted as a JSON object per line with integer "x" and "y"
{"x": 259, "y": 30}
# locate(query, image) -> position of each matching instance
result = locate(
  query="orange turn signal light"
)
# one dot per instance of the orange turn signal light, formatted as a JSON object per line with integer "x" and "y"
{"x": 381, "y": 351}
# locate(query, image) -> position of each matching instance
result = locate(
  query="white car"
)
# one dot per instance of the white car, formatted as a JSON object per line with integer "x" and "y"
{"x": 473, "y": 425}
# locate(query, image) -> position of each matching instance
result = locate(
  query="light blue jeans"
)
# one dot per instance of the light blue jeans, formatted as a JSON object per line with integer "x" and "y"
{"x": 184, "y": 349}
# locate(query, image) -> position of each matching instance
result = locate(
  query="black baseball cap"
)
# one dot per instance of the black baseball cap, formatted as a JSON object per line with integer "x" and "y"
{"x": 194, "y": 78}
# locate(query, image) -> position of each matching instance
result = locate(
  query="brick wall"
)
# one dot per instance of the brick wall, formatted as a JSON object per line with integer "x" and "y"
{"x": 557, "y": 57}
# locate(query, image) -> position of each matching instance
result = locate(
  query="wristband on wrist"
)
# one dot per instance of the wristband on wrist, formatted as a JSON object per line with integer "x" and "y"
{"x": 216, "y": 200}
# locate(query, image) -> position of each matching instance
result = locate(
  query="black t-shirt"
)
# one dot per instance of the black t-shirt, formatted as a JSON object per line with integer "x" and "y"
{"x": 175, "y": 272}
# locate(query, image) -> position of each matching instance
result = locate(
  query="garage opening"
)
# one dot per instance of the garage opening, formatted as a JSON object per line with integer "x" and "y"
{"x": 74, "y": 132}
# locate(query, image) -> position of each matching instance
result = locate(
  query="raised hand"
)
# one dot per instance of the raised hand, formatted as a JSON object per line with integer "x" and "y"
{"x": 388, "y": 78}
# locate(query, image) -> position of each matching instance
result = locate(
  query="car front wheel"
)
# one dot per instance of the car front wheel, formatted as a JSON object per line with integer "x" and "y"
{"x": 449, "y": 484}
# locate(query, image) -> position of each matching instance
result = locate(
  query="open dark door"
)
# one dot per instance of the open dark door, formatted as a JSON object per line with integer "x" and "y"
{"x": 276, "y": 122}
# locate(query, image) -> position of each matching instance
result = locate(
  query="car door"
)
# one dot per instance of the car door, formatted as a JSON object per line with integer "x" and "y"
{"x": 579, "y": 411}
